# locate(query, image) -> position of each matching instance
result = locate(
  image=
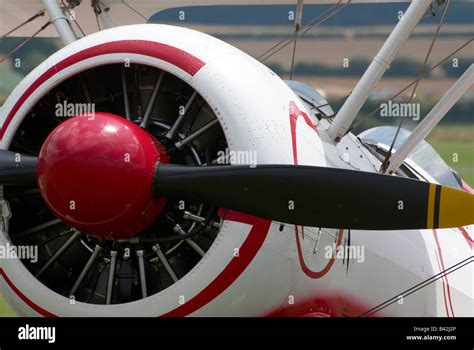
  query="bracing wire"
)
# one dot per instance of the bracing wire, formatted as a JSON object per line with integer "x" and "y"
{"x": 419, "y": 286}
{"x": 134, "y": 10}
{"x": 316, "y": 21}
{"x": 68, "y": 9}
{"x": 24, "y": 42}
{"x": 31, "y": 19}
{"x": 421, "y": 75}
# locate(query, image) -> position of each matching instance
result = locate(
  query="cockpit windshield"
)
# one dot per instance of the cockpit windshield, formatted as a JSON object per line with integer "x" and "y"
{"x": 423, "y": 155}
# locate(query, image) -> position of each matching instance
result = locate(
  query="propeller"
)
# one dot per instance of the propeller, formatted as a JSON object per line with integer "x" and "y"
{"x": 319, "y": 196}
{"x": 17, "y": 169}
{"x": 85, "y": 161}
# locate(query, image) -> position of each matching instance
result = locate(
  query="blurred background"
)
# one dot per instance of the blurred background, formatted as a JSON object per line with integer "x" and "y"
{"x": 331, "y": 57}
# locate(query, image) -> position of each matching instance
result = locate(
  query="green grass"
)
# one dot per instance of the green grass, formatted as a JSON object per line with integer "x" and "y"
{"x": 465, "y": 158}
{"x": 455, "y": 144}
{"x": 5, "y": 310}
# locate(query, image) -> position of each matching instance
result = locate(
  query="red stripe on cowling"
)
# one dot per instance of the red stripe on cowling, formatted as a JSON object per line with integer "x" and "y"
{"x": 231, "y": 272}
{"x": 234, "y": 269}
{"x": 191, "y": 65}
{"x": 177, "y": 57}
{"x": 25, "y": 299}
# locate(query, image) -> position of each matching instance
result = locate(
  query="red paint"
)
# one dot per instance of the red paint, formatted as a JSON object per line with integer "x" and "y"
{"x": 466, "y": 236}
{"x": 177, "y": 57}
{"x": 96, "y": 172}
{"x": 444, "y": 288}
{"x": 234, "y": 269}
{"x": 310, "y": 273}
{"x": 466, "y": 187}
{"x": 334, "y": 305}
{"x": 295, "y": 114}
{"x": 316, "y": 314}
{"x": 445, "y": 277}
{"x": 25, "y": 299}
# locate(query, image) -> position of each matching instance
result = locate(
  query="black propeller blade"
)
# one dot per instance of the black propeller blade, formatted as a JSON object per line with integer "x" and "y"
{"x": 320, "y": 197}
{"x": 17, "y": 169}
{"x": 302, "y": 195}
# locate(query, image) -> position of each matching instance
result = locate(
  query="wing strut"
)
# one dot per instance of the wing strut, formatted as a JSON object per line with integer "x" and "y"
{"x": 60, "y": 21}
{"x": 448, "y": 100}
{"x": 377, "y": 68}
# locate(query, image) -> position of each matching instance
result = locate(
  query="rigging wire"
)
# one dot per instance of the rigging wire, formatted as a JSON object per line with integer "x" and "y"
{"x": 24, "y": 42}
{"x": 134, "y": 10}
{"x": 71, "y": 17}
{"x": 288, "y": 38}
{"x": 312, "y": 24}
{"x": 293, "y": 55}
{"x": 411, "y": 83}
{"x": 316, "y": 21}
{"x": 97, "y": 20}
{"x": 298, "y": 20}
{"x": 421, "y": 75}
{"x": 419, "y": 286}
{"x": 97, "y": 10}
{"x": 40, "y": 13}
{"x": 430, "y": 70}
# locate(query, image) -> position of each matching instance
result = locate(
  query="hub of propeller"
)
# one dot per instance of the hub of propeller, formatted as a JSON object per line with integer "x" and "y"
{"x": 95, "y": 173}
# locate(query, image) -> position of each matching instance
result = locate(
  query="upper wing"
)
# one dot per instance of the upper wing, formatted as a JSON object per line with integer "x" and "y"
{"x": 12, "y": 13}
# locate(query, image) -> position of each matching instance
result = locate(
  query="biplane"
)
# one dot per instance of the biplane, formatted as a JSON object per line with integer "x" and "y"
{"x": 183, "y": 177}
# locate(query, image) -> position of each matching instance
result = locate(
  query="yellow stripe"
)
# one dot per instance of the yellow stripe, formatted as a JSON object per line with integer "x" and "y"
{"x": 431, "y": 199}
{"x": 456, "y": 208}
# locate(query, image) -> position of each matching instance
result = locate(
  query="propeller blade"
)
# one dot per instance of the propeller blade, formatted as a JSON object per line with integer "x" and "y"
{"x": 319, "y": 196}
{"x": 17, "y": 169}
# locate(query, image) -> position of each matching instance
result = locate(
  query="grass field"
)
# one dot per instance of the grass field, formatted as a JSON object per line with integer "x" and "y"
{"x": 5, "y": 310}
{"x": 465, "y": 158}
{"x": 455, "y": 144}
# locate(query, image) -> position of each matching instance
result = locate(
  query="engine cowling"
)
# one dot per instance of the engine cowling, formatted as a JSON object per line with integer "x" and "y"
{"x": 241, "y": 105}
